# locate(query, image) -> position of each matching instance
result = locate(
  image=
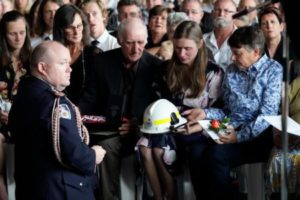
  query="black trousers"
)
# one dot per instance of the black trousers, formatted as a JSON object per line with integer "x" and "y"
{"x": 215, "y": 162}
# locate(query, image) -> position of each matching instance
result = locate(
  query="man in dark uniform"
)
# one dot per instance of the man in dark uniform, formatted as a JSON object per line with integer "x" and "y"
{"x": 52, "y": 157}
{"x": 125, "y": 84}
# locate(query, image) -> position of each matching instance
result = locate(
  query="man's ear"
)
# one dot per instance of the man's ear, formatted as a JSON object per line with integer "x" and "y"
{"x": 119, "y": 40}
{"x": 257, "y": 52}
{"x": 42, "y": 68}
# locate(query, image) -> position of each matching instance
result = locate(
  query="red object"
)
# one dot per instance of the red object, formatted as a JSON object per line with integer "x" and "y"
{"x": 215, "y": 124}
{"x": 93, "y": 119}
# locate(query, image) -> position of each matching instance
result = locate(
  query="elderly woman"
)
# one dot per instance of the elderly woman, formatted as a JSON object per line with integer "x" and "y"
{"x": 165, "y": 51}
{"x": 72, "y": 29}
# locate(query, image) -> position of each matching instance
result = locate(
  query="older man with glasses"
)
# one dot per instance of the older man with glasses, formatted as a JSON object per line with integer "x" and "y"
{"x": 216, "y": 41}
{"x": 194, "y": 10}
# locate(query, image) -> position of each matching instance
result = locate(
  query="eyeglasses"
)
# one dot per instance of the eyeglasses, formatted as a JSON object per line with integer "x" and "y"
{"x": 72, "y": 28}
{"x": 226, "y": 11}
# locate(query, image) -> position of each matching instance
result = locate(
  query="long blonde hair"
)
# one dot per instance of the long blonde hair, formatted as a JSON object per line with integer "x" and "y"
{"x": 177, "y": 73}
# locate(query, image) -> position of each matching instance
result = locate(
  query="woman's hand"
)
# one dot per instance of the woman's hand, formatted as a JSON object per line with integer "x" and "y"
{"x": 189, "y": 128}
{"x": 229, "y": 137}
{"x": 194, "y": 114}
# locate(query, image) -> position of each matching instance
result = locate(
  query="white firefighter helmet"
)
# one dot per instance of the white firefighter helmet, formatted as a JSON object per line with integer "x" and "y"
{"x": 160, "y": 116}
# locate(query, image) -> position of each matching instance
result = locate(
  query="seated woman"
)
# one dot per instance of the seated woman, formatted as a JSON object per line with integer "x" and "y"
{"x": 72, "y": 30}
{"x": 165, "y": 51}
{"x": 194, "y": 82}
{"x": 14, "y": 63}
{"x": 157, "y": 28}
{"x": 273, "y": 172}
{"x": 272, "y": 25}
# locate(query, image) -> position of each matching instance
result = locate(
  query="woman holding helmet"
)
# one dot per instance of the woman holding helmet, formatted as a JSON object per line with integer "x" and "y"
{"x": 194, "y": 82}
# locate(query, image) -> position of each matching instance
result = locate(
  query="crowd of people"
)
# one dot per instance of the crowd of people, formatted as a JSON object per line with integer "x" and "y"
{"x": 60, "y": 60}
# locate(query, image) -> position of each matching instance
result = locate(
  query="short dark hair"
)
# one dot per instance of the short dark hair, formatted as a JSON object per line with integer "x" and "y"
{"x": 157, "y": 10}
{"x": 122, "y": 3}
{"x": 249, "y": 37}
{"x": 270, "y": 10}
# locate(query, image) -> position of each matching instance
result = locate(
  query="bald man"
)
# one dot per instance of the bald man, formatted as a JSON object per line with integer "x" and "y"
{"x": 53, "y": 160}
{"x": 121, "y": 91}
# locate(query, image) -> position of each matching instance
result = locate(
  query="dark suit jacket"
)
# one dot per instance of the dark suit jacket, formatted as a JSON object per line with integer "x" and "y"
{"x": 108, "y": 94}
{"x": 38, "y": 173}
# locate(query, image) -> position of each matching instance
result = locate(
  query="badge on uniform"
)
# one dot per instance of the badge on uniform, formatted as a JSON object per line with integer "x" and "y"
{"x": 64, "y": 111}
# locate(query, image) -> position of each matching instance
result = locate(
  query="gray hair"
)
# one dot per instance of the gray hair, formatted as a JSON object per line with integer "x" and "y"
{"x": 249, "y": 37}
{"x": 132, "y": 24}
{"x": 176, "y": 18}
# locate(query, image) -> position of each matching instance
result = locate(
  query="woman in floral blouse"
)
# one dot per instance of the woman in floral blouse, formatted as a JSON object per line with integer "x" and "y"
{"x": 14, "y": 63}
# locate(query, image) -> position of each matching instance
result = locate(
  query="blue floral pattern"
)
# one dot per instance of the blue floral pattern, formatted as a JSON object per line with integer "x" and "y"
{"x": 248, "y": 95}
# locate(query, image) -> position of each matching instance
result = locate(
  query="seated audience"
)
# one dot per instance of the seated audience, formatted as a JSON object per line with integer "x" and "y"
{"x": 251, "y": 89}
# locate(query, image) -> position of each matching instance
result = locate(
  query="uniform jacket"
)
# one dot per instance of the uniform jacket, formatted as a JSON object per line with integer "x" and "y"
{"x": 38, "y": 173}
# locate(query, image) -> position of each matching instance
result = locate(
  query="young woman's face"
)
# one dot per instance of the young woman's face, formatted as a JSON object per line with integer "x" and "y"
{"x": 16, "y": 34}
{"x": 186, "y": 50}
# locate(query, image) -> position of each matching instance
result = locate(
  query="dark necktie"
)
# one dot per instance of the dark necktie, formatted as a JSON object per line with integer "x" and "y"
{"x": 95, "y": 43}
{"x": 47, "y": 38}
{"x": 96, "y": 48}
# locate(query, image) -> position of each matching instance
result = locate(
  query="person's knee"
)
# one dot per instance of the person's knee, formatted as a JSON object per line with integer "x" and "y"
{"x": 158, "y": 152}
{"x": 217, "y": 154}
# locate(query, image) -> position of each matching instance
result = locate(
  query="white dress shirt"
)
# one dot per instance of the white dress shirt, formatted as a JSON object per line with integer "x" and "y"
{"x": 107, "y": 42}
{"x": 222, "y": 55}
